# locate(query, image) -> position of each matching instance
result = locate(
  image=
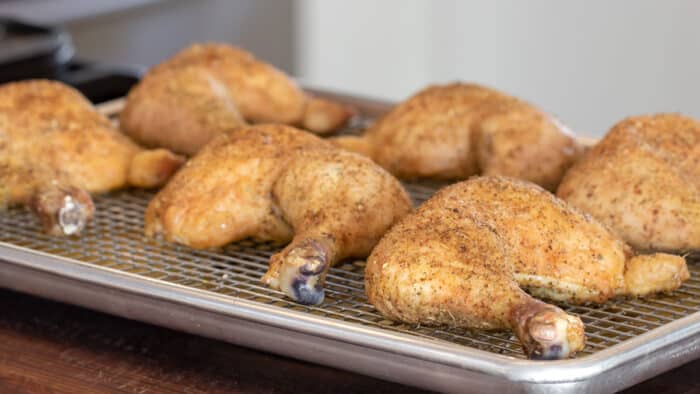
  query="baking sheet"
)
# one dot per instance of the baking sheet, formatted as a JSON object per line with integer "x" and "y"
{"x": 112, "y": 267}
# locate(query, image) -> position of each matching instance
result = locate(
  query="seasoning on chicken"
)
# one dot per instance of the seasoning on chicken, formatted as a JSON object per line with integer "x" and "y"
{"x": 274, "y": 182}
{"x": 467, "y": 255}
{"x": 55, "y": 149}
{"x": 458, "y": 130}
{"x": 207, "y": 89}
{"x": 643, "y": 181}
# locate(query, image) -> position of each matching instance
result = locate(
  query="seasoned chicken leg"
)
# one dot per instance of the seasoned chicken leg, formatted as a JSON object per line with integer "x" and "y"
{"x": 55, "y": 149}
{"x": 465, "y": 255}
{"x": 261, "y": 92}
{"x": 458, "y": 130}
{"x": 273, "y": 182}
{"x": 198, "y": 93}
{"x": 643, "y": 181}
{"x": 179, "y": 109}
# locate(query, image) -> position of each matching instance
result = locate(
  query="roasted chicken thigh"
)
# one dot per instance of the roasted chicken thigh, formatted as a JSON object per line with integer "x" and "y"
{"x": 207, "y": 89}
{"x": 643, "y": 181}
{"x": 467, "y": 255}
{"x": 458, "y": 130}
{"x": 55, "y": 149}
{"x": 274, "y": 182}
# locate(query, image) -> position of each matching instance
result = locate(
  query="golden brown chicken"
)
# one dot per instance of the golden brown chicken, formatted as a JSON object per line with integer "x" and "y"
{"x": 55, "y": 148}
{"x": 466, "y": 255}
{"x": 179, "y": 109}
{"x": 206, "y": 89}
{"x": 274, "y": 182}
{"x": 458, "y": 130}
{"x": 643, "y": 181}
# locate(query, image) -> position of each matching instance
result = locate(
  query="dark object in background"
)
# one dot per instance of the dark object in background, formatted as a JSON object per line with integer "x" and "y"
{"x": 35, "y": 51}
{"x": 32, "y": 51}
{"x": 98, "y": 82}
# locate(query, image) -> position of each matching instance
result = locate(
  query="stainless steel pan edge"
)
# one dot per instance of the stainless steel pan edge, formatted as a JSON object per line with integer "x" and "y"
{"x": 392, "y": 356}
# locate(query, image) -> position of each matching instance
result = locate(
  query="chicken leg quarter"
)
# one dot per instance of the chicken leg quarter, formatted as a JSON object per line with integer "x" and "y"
{"x": 55, "y": 148}
{"x": 207, "y": 89}
{"x": 465, "y": 257}
{"x": 643, "y": 181}
{"x": 458, "y": 130}
{"x": 273, "y": 182}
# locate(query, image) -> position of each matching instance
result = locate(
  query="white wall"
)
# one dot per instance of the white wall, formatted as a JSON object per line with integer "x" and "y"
{"x": 589, "y": 62}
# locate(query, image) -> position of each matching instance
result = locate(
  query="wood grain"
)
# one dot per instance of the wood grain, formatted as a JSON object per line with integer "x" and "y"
{"x": 48, "y": 347}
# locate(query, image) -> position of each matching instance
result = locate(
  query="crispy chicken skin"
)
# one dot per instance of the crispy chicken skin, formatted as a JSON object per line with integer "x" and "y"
{"x": 457, "y": 130}
{"x": 207, "y": 89}
{"x": 55, "y": 149}
{"x": 643, "y": 181}
{"x": 262, "y": 92}
{"x": 179, "y": 109}
{"x": 465, "y": 256}
{"x": 274, "y": 182}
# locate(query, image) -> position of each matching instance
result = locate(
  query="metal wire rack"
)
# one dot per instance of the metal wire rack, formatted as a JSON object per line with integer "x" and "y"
{"x": 115, "y": 240}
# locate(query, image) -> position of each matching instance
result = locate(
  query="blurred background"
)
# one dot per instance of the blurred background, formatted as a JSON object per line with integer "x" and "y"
{"x": 588, "y": 62}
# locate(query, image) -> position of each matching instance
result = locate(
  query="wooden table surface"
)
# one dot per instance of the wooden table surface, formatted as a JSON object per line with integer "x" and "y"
{"x": 48, "y": 347}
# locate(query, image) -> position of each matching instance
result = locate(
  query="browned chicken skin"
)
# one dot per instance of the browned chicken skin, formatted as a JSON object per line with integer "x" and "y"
{"x": 179, "y": 109}
{"x": 643, "y": 181}
{"x": 458, "y": 130}
{"x": 55, "y": 148}
{"x": 273, "y": 182}
{"x": 207, "y": 89}
{"x": 464, "y": 257}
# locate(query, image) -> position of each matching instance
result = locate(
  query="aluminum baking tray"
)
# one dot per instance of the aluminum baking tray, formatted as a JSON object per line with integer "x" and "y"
{"x": 113, "y": 268}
